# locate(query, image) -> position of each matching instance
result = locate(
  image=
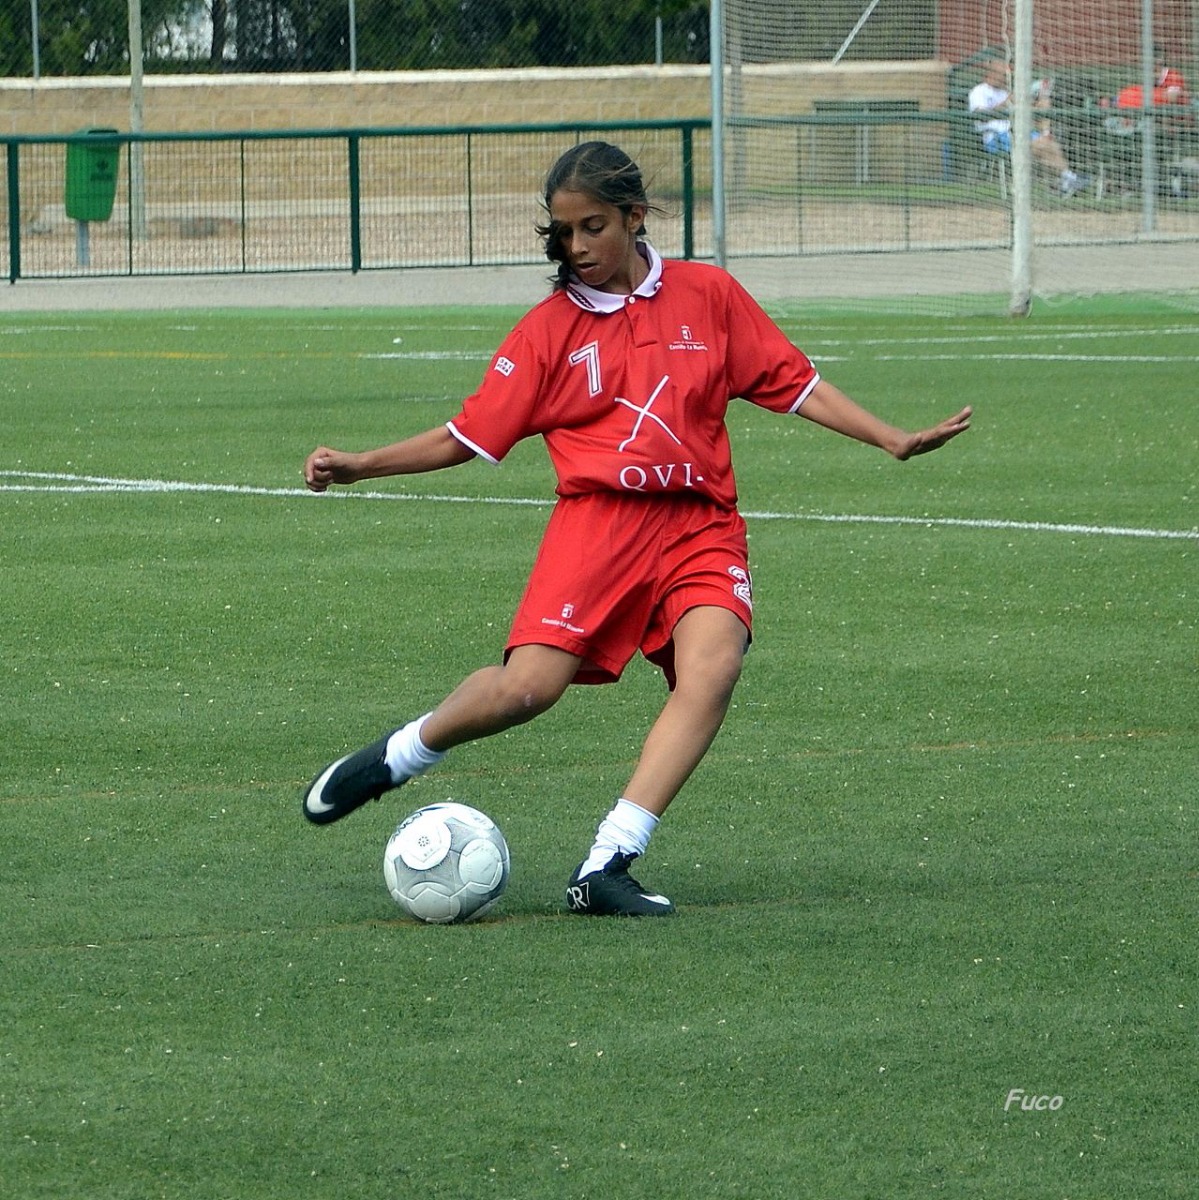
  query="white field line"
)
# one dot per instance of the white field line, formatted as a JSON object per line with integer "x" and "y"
{"x": 1025, "y": 357}
{"x": 967, "y": 337}
{"x": 56, "y": 482}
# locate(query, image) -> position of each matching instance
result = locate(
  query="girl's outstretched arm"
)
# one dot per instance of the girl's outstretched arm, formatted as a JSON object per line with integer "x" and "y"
{"x": 428, "y": 451}
{"x": 829, "y": 406}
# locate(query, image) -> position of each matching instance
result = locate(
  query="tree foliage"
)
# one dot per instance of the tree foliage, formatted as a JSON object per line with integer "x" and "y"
{"x": 80, "y": 37}
{"x": 90, "y": 37}
{"x": 85, "y": 37}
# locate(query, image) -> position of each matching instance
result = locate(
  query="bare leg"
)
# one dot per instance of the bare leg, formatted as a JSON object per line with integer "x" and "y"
{"x": 1047, "y": 150}
{"x": 498, "y": 697}
{"x": 487, "y": 702}
{"x": 710, "y": 644}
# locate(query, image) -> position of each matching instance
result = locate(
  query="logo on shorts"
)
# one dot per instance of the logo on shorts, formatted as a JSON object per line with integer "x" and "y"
{"x": 565, "y": 621}
{"x": 742, "y": 588}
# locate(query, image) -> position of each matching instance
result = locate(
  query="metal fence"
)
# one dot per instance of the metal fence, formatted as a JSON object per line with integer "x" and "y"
{"x": 843, "y": 182}
{"x": 340, "y": 199}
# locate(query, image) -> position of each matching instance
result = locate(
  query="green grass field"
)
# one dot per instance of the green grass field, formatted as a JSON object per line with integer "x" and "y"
{"x": 943, "y": 849}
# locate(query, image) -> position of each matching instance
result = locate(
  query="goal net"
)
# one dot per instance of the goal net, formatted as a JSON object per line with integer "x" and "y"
{"x": 957, "y": 156}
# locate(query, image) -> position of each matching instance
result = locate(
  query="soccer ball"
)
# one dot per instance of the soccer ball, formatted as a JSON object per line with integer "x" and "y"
{"x": 446, "y": 863}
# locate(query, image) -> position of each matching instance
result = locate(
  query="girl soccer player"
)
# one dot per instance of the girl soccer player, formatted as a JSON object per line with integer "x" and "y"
{"x": 626, "y": 370}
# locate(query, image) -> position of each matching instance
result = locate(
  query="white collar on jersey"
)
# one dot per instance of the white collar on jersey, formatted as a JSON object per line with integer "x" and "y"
{"x": 593, "y": 300}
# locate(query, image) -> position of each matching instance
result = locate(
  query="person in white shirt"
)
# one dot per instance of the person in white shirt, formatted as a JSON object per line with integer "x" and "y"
{"x": 990, "y": 101}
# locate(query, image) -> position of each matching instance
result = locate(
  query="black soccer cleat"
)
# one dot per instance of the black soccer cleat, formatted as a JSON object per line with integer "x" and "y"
{"x": 349, "y": 783}
{"x": 613, "y": 892}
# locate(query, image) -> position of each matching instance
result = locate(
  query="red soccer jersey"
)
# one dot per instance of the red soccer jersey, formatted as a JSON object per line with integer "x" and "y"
{"x": 630, "y": 392}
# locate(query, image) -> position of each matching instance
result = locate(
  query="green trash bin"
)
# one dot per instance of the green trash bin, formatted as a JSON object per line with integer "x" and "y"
{"x": 92, "y": 168}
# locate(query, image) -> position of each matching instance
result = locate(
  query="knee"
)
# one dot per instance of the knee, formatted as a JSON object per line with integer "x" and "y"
{"x": 715, "y": 673}
{"x": 521, "y": 697}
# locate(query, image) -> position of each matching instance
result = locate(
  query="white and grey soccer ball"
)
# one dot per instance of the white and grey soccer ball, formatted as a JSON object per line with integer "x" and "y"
{"x": 446, "y": 863}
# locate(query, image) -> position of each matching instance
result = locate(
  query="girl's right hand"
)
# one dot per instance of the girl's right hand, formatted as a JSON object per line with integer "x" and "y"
{"x": 325, "y": 466}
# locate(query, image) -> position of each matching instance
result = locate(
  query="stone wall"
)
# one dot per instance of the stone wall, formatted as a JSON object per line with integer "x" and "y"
{"x": 417, "y": 185}
{"x": 204, "y": 103}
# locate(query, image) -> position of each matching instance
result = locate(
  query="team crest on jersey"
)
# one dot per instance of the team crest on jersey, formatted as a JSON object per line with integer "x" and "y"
{"x": 687, "y": 340}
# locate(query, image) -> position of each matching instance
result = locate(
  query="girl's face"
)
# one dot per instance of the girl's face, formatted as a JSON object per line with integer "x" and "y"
{"x": 598, "y": 241}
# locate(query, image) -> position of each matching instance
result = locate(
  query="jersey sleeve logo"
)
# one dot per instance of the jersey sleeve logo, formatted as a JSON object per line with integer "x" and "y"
{"x": 505, "y": 366}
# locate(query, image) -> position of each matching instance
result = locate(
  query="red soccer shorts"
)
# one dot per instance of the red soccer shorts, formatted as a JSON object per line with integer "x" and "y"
{"x": 615, "y": 573}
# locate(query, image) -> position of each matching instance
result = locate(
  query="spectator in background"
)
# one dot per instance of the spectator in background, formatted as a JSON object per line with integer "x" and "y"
{"x": 1169, "y": 87}
{"x": 1174, "y": 125}
{"x": 990, "y": 102}
{"x": 1170, "y": 83}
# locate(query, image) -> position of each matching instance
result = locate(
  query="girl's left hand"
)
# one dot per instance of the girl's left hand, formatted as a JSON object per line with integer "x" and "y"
{"x": 937, "y": 436}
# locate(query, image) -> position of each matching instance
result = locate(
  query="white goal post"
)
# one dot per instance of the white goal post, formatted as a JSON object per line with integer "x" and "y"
{"x": 846, "y": 136}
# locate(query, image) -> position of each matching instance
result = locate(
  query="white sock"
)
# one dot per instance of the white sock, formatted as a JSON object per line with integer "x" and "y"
{"x": 625, "y": 830}
{"x": 407, "y": 755}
